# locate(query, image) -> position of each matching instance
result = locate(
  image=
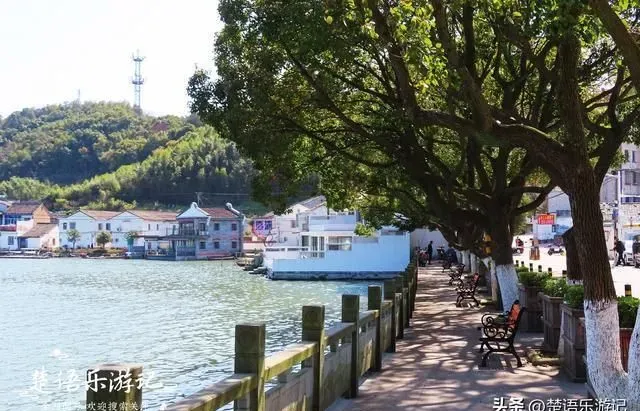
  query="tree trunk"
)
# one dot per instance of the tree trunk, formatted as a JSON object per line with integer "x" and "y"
{"x": 502, "y": 254}
{"x": 604, "y": 364}
{"x": 466, "y": 260}
{"x": 574, "y": 272}
{"x": 474, "y": 264}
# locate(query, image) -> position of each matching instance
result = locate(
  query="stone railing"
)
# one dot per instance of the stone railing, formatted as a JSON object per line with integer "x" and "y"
{"x": 310, "y": 375}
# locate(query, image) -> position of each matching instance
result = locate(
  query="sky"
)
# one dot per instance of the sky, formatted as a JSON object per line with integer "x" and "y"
{"x": 53, "y": 48}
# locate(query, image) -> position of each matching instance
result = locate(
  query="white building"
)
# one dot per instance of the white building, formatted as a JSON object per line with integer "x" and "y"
{"x": 89, "y": 223}
{"x": 285, "y": 229}
{"x": 557, "y": 205}
{"x": 421, "y": 237}
{"x": 328, "y": 248}
{"x": 28, "y": 235}
{"x": 623, "y": 186}
{"x": 148, "y": 227}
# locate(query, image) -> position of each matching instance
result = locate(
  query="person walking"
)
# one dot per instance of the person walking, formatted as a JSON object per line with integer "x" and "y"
{"x": 619, "y": 249}
{"x": 429, "y": 252}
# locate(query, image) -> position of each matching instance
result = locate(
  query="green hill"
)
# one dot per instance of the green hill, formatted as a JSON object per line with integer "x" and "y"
{"x": 72, "y": 142}
{"x": 105, "y": 156}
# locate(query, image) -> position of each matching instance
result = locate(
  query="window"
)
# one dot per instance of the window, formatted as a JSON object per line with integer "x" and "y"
{"x": 234, "y": 244}
{"x": 158, "y": 227}
{"x": 234, "y": 227}
{"x": 54, "y": 241}
{"x": 216, "y": 245}
{"x": 216, "y": 226}
{"x": 293, "y": 223}
{"x": 626, "y": 156}
{"x": 99, "y": 226}
{"x": 635, "y": 178}
{"x": 108, "y": 226}
{"x": 149, "y": 227}
{"x": 64, "y": 226}
{"x": 203, "y": 245}
{"x": 627, "y": 177}
{"x": 342, "y": 243}
{"x": 10, "y": 240}
{"x": 72, "y": 226}
{"x": 203, "y": 226}
{"x": 633, "y": 156}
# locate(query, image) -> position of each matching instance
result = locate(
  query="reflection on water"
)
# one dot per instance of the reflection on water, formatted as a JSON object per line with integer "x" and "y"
{"x": 60, "y": 316}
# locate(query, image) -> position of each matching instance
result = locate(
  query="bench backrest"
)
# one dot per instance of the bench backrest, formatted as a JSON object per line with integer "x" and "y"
{"x": 515, "y": 314}
{"x": 474, "y": 281}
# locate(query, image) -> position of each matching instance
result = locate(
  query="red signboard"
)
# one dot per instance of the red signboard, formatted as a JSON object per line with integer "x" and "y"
{"x": 546, "y": 219}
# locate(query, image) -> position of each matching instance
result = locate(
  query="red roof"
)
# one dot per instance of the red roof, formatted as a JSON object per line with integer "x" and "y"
{"x": 23, "y": 207}
{"x": 219, "y": 212}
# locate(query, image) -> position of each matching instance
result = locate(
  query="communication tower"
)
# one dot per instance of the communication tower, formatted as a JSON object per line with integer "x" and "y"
{"x": 137, "y": 80}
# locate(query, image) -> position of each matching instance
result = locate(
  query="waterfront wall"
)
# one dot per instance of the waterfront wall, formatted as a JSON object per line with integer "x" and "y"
{"x": 311, "y": 375}
{"x": 383, "y": 254}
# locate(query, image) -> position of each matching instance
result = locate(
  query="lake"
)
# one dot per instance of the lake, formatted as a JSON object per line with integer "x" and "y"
{"x": 59, "y": 317}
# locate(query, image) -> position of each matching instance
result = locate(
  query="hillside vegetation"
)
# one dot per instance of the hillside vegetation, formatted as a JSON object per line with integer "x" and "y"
{"x": 69, "y": 143}
{"x": 103, "y": 155}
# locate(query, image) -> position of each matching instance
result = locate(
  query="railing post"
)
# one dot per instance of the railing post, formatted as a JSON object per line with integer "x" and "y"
{"x": 401, "y": 304}
{"x": 313, "y": 330}
{"x": 407, "y": 300}
{"x": 249, "y": 359}
{"x": 114, "y": 383}
{"x": 351, "y": 314}
{"x": 374, "y": 302}
{"x": 390, "y": 294}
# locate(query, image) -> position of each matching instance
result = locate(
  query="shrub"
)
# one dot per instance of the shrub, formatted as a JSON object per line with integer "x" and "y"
{"x": 628, "y": 311}
{"x": 574, "y": 297}
{"x": 555, "y": 287}
{"x": 532, "y": 279}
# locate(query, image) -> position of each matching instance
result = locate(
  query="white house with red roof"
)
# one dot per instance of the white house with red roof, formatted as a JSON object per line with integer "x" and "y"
{"x": 207, "y": 233}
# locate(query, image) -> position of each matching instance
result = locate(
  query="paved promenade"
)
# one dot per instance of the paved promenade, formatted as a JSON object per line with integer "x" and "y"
{"x": 436, "y": 364}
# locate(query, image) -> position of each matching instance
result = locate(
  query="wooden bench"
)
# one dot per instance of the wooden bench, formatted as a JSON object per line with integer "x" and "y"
{"x": 500, "y": 332}
{"x": 467, "y": 291}
{"x": 455, "y": 274}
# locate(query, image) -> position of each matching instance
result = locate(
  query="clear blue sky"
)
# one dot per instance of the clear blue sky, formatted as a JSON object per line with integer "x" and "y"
{"x": 53, "y": 48}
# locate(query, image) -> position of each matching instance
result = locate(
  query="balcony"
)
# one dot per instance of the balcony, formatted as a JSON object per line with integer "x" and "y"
{"x": 186, "y": 232}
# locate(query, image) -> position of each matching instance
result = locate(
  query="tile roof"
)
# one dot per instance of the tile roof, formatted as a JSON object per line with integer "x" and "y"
{"x": 23, "y": 207}
{"x": 100, "y": 214}
{"x": 313, "y": 202}
{"x": 39, "y": 230}
{"x": 219, "y": 212}
{"x": 154, "y": 215}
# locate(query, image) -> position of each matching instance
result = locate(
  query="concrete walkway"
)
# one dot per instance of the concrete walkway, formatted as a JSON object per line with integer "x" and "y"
{"x": 436, "y": 364}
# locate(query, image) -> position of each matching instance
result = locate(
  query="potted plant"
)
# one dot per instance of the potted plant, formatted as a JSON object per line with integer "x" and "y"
{"x": 572, "y": 310}
{"x": 530, "y": 285}
{"x": 552, "y": 296}
{"x": 627, "y": 313}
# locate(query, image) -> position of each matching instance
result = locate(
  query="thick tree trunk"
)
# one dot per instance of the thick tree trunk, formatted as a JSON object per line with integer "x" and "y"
{"x": 502, "y": 254}
{"x": 474, "y": 264}
{"x": 466, "y": 260}
{"x": 600, "y": 306}
{"x": 634, "y": 365}
{"x": 574, "y": 272}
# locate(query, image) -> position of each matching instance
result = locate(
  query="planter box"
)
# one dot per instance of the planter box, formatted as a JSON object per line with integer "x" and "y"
{"x": 551, "y": 320}
{"x": 573, "y": 338}
{"x": 532, "y": 317}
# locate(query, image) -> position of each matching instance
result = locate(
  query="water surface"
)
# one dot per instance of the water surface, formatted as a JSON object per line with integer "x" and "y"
{"x": 59, "y": 317}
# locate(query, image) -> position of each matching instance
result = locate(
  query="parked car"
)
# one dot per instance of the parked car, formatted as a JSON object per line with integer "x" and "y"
{"x": 635, "y": 249}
